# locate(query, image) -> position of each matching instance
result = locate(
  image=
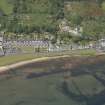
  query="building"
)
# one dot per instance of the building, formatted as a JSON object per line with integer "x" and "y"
{"x": 100, "y": 45}
{"x": 75, "y": 31}
{"x": 1, "y": 46}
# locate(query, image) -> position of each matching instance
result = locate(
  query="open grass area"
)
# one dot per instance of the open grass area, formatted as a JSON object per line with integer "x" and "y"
{"x": 11, "y": 59}
{"x": 27, "y": 48}
{"x": 89, "y": 52}
{"x": 6, "y": 60}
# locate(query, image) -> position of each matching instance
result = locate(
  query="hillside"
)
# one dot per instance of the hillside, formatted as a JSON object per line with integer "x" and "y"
{"x": 29, "y": 16}
{"x": 32, "y": 14}
{"x": 6, "y": 6}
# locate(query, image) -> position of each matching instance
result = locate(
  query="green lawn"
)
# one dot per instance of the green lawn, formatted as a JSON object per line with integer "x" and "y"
{"x": 85, "y": 52}
{"x": 5, "y": 60}
{"x": 27, "y": 48}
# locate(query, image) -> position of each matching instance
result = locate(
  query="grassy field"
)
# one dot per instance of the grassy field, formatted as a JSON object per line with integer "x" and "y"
{"x": 5, "y": 60}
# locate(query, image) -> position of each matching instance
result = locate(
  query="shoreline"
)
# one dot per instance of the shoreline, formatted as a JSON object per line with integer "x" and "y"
{"x": 22, "y": 63}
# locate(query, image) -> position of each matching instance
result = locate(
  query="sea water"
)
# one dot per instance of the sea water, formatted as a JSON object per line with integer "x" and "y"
{"x": 80, "y": 88}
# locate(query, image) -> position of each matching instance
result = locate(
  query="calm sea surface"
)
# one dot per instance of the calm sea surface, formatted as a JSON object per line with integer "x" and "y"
{"x": 30, "y": 86}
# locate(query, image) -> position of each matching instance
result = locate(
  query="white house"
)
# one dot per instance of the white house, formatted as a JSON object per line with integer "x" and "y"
{"x": 1, "y": 46}
{"x": 100, "y": 45}
{"x": 64, "y": 27}
{"x": 102, "y": 42}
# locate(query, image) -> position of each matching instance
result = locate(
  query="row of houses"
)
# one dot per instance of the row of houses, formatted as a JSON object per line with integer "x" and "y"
{"x": 46, "y": 45}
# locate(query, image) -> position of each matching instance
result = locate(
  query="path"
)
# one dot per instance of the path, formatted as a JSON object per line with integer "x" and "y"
{"x": 22, "y": 63}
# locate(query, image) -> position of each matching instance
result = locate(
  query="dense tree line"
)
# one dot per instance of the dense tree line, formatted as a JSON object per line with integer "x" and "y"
{"x": 29, "y": 16}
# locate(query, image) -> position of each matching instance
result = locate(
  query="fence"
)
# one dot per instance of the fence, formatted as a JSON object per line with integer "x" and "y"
{"x": 33, "y": 46}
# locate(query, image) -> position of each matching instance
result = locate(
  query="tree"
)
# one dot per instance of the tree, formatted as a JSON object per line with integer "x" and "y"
{"x": 75, "y": 19}
{"x": 93, "y": 30}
